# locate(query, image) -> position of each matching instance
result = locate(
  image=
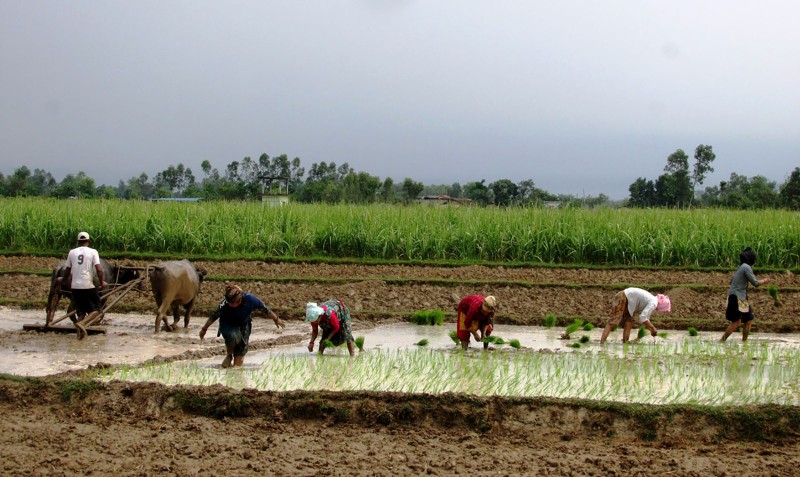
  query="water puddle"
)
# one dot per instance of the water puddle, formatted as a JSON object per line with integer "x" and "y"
{"x": 677, "y": 368}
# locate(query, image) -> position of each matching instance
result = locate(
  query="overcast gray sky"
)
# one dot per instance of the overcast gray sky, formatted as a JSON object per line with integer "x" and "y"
{"x": 581, "y": 96}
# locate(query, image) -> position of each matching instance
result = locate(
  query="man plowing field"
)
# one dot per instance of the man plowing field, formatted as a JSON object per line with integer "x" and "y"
{"x": 82, "y": 263}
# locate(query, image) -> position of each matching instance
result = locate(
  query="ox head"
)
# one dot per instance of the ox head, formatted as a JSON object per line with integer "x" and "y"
{"x": 201, "y": 273}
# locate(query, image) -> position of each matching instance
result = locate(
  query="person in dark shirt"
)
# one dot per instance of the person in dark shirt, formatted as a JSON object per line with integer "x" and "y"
{"x": 235, "y": 314}
{"x": 739, "y": 312}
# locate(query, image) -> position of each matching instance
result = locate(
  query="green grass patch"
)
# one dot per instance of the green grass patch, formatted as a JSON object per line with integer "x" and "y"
{"x": 77, "y": 388}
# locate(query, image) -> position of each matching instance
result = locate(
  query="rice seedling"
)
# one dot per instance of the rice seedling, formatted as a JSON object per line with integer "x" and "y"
{"x": 514, "y": 343}
{"x": 663, "y": 335}
{"x": 574, "y": 345}
{"x": 328, "y": 343}
{"x": 572, "y": 328}
{"x": 588, "y": 327}
{"x": 773, "y": 292}
{"x": 454, "y": 336}
{"x": 422, "y": 342}
{"x": 584, "y": 339}
{"x": 550, "y": 320}
{"x": 642, "y": 333}
{"x": 692, "y": 331}
{"x": 360, "y": 343}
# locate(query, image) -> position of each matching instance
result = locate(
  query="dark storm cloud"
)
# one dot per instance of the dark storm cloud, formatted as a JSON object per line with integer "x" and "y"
{"x": 582, "y": 97}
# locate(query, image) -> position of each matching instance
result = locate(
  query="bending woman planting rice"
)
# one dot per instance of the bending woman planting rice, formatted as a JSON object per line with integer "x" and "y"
{"x": 631, "y": 302}
{"x": 475, "y": 315}
{"x": 333, "y": 317}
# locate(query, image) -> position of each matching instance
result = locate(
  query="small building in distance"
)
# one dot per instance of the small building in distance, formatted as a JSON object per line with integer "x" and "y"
{"x": 274, "y": 190}
{"x": 177, "y": 199}
{"x": 443, "y": 200}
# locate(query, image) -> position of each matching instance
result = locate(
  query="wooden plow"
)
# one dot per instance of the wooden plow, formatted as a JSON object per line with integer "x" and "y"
{"x": 108, "y": 298}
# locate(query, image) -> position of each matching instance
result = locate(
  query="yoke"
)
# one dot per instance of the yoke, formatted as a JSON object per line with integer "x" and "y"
{"x": 111, "y": 296}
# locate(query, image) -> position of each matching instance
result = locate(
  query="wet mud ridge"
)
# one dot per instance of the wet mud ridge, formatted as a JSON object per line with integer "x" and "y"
{"x": 72, "y": 427}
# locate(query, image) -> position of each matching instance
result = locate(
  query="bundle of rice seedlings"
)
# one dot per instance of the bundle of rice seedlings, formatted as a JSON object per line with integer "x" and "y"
{"x": 454, "y": 336}
{"x": 550, "y": 320}
{"x": 773, "y": 292}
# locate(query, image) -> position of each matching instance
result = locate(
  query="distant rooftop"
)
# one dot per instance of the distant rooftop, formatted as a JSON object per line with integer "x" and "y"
{"x": 177, "y": 199}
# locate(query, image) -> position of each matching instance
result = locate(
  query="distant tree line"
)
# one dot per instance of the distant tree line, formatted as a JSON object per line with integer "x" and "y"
{"x": 676, "y": 187}
{"x": 248, "y": 179}
{"x": 328, "y": 182}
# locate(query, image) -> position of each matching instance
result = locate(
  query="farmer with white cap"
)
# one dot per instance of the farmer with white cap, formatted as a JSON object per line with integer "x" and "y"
{"x": 235, "y": 314}
{"x": 476, "y": 318}
{"x": 83, "y": 262}
{"x": 333, "y": 317}
{"x": 632, "y": 302}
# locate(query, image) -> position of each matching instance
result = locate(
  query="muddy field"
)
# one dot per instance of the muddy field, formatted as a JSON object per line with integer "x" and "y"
{"x": 57, "y": 426}
{"x": 526, "y": 295}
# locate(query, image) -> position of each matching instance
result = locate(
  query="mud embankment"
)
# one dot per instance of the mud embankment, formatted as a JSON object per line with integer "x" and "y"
{"x": 72, "y": 427}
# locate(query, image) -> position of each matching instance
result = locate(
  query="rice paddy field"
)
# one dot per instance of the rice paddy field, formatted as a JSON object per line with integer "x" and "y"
{"x": 679, "y": 404}
{"x": 662, "y": 238}
{"x": 679, "y": 373}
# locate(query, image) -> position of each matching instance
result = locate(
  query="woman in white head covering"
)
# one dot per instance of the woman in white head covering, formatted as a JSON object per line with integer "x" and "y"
{"x": 333, "y": 318}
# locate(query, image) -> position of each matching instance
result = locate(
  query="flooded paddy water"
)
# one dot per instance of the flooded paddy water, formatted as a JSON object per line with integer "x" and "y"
{"x": 673, "y": 369}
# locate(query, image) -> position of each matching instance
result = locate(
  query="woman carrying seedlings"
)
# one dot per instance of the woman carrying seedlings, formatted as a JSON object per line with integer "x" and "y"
{"x": 739, "y": 311}
{"x": 235, "y": 314}
{"x": 632, "y": 302}
{"x": 476, "y": 318}
{"x": 333, "y": 318}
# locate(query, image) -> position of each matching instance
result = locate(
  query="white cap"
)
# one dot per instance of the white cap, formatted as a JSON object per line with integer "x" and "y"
{"x": 83, "y": 236}
{"x": 313, "y": 311}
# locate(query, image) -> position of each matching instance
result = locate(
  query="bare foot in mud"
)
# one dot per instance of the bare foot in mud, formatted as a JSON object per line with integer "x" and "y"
{"x": 81, "y": 330}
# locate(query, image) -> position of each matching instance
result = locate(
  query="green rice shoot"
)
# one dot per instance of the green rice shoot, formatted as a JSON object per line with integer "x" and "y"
{"x": 698, "y": 372}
